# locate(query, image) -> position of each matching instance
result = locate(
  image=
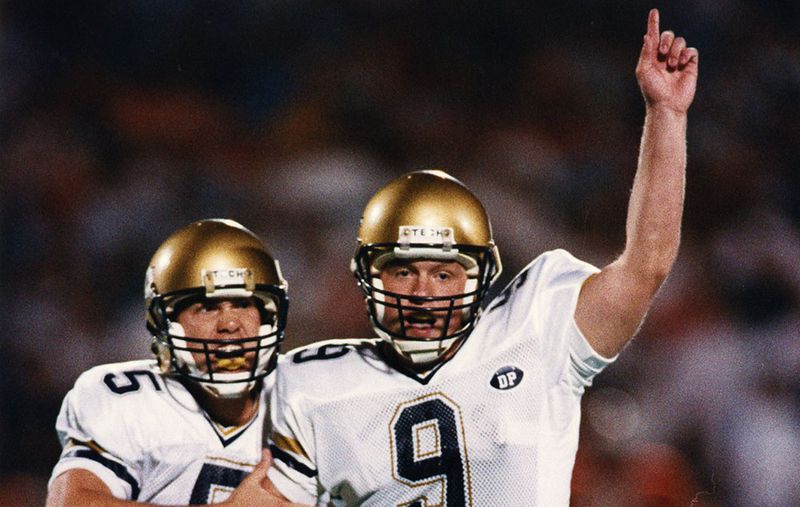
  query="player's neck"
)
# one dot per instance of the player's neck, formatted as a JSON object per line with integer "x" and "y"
{"x": 227, "y": 411}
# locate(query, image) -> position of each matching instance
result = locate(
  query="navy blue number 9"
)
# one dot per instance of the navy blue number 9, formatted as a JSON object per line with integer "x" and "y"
{"x": 427, "y": 449}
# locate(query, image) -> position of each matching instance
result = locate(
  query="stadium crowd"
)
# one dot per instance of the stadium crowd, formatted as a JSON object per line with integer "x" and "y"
{"x": 122, "y": 121}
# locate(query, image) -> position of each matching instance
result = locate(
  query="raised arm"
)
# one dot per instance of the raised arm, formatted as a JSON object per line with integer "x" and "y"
{"x": 613, "y": 302}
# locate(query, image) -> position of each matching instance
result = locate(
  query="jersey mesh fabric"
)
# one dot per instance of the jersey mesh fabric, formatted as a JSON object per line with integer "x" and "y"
{"x": 495, "y": 425}
{"x": 148, "y": 440}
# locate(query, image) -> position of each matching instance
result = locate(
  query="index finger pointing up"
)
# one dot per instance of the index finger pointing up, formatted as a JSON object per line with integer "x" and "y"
{"x": 651, "y": 38}
{"x": 652, "y": 23}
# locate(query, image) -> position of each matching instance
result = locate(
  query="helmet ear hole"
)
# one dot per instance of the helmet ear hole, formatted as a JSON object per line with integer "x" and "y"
{"x": 157, "y": 316}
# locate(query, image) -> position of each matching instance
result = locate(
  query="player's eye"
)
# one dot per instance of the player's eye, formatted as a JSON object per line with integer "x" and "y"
{"x": 208, "y": 306}
{"x": 243, "y": 303}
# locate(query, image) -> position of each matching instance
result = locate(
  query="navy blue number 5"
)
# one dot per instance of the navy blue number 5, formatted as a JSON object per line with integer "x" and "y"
{"x": 211, "y": 478}
{"x": 428, "y": 450}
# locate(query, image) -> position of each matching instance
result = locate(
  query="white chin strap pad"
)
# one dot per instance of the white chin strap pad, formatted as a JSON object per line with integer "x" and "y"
{"x": 232, "y": 390}
{"x": 420, "y": 351}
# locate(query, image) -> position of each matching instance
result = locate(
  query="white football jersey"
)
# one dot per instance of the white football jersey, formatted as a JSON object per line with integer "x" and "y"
{"x": 147, "y": 439}
{"x": 495, "y": 425}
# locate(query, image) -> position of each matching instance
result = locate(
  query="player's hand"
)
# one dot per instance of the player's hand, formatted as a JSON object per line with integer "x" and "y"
{"x": 667, "y": 68}
{"x": 257, "y": 490}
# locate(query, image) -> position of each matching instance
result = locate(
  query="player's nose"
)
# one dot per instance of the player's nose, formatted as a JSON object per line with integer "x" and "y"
{"x": 422, "y": 287}
{"x": 228, "y": 320}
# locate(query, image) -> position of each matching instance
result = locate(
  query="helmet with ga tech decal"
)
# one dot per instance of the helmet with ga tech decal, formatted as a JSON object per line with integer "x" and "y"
{"x": 425, "y": 215}
{"x": 203, "y": 262}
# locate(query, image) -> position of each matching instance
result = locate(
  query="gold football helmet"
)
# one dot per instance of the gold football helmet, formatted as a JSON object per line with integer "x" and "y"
{"x": 215, "y": 258}
{"x": 425, "y": 215}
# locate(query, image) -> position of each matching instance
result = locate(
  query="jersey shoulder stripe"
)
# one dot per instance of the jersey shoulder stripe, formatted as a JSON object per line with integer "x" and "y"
{"x": 86, "y": 452}
{"x": 291, "y": 462}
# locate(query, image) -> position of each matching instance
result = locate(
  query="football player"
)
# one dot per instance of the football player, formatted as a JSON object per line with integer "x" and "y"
{"x": 186, "y": 427}
{"x": 455, "y": 405}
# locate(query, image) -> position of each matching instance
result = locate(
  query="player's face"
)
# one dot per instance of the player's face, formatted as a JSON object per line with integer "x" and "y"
{"x": 417, "y": 279}
{"x": 224, "y": 319}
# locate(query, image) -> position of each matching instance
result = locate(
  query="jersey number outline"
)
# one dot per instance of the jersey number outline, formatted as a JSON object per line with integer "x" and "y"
{"x": 110, "y": 380}
{"x": 321, "y": 353}
{"x": 510, "y": 289}
{"x": 428, "y": 446}
{"x": 214, "y": 475}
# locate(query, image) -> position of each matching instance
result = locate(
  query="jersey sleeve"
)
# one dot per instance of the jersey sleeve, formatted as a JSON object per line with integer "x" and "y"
{"x": 544, "y": 297}
{"x": 293, "y": 470}
{"x": 93, "y": 437}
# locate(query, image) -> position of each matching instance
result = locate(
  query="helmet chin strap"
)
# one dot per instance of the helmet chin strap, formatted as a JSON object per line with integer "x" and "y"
{"x": 228, "y": 391}
{"x": 416, "y": 351}
{"x": 420, "y": 351}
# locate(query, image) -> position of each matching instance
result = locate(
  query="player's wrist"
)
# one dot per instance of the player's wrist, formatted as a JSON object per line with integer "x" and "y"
{"x": 665, "y": 109}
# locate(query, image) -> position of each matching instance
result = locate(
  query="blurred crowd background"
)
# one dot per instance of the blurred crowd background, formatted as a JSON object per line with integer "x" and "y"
{"x": 122, "y": 121}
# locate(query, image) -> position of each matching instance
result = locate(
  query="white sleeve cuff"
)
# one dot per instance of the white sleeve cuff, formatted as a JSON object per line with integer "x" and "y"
{"x": 586, "y": 361}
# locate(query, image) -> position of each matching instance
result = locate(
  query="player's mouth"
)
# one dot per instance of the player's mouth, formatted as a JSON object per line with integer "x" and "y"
{"x": 423, "y": 325}
{"x": 230, "y": 358}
